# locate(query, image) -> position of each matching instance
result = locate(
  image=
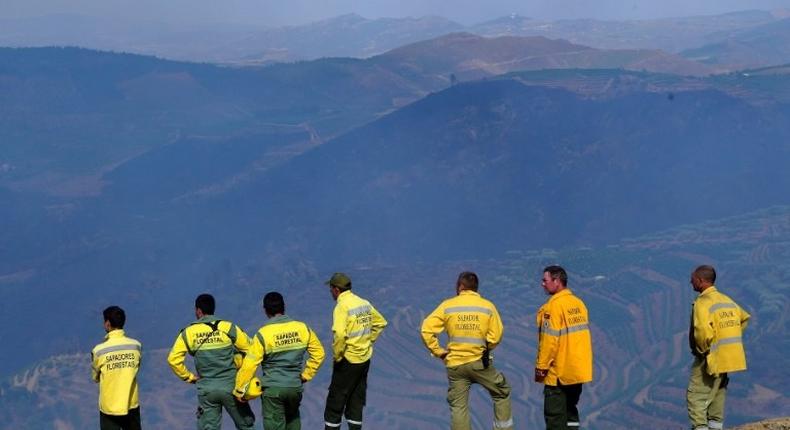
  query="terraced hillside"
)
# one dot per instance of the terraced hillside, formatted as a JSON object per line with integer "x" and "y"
{"x": 639, "y": 300}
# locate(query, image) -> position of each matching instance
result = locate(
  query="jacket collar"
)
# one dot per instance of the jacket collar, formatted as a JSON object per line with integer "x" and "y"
{"x": 469, "y": 293}
{"x": 115, "y": 333}
{"x": 565, "y": 292}
{"x": 344, "y": 295}
{"x": 278, "y": 319}
{"x": 206, "y": 319}
{"x": 711, "y": 289}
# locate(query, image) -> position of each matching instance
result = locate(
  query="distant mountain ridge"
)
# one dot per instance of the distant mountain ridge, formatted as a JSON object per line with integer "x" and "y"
{"x": 354, "y": 36}
{"x": 764, "y": 45}
{"x": 669, "y": 34}
{"x": 471, "y": 56}
{"x": 343, "y": 36}
{"x": 169, "y": 40}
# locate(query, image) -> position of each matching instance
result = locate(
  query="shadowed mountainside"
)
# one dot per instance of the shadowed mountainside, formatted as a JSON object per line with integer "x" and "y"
{"x": 483, "y": 161}
{"x": 70, "y": 115}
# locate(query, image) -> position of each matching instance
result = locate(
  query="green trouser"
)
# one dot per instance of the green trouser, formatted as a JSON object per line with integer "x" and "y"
{"x": 130, "y": 421}
{"x": 347, "y": 394}
{"x": 461, "y": 379}
{"x": 705, "y": 397}
{"x": 559, "y": 406}
{"x": 211, "y": 400}
{"x": 281, "y": 408}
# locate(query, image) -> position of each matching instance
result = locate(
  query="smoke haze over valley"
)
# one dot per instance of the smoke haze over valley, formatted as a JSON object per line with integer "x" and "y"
{"x": 143, "y": 164}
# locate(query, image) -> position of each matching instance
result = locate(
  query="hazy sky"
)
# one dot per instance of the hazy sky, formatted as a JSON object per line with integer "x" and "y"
{"x": 280, "y": 12}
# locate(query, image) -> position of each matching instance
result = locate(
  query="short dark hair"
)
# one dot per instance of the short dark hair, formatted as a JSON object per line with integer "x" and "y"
{"x": 468, "y": 280}
{"x": 557, "y": 272}
{"x": 273, "y": 303}
{"x": 115, "y": 316}
{"x": 205, "y": 302}
{"x": 706, "y": 273}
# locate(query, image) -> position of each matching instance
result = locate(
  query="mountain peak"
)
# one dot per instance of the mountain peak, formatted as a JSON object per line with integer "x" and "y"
{"x": 348, "y": 17}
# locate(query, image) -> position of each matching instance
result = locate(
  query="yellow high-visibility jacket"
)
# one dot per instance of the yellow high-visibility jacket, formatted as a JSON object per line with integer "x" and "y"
{"x": 355, "y": 326}
{"x": 215, "y": 344}
{"x": 472, "y": 324}
{"x": 115, "y": 365}
{"x": 281, "y": 345}
{"x": 717, "y": 325}
{"x": 564, "y": 341}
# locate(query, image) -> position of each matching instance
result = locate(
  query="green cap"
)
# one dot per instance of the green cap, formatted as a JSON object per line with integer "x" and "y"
{"x": 339, "y": 280}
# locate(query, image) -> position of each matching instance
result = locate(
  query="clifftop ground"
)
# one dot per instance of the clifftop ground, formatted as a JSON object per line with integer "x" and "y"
{"x": 774, "y": 424}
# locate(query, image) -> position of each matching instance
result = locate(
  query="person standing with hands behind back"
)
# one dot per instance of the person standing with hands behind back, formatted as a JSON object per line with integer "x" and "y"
{"x": 715, "y": 337}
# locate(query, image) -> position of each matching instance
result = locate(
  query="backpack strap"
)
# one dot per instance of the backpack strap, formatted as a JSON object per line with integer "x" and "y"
{"x": 213, "y": 324}
{"x": 232, "y": 333}
{"x": 186, "y": 341}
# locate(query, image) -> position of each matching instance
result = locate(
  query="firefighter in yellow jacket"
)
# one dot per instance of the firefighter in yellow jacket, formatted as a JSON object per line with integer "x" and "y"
{"x": 474, "y": 328}
{"x": 715, "y": 338}
{"x": 115, "y": 365}
{"x": 280, "y": 346}
{"x": 216, "y": 346}
{"x": 356, "y": 324}
{"x": 564, "y": 359}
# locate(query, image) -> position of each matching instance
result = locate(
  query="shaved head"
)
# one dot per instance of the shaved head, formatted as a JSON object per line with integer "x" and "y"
{"x": 706, "y": 273}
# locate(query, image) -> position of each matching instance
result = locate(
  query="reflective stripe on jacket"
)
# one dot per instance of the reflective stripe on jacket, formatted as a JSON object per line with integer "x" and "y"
{"x": 281, "y": 345}
{"x": 355, "y": 326}
{"x": 564, "y": 341}
{"x": 717, "y": 326}
{"x": 115, "y": 365}
{"x": 472, "y": 324}
{"x": 212, "y": 349}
